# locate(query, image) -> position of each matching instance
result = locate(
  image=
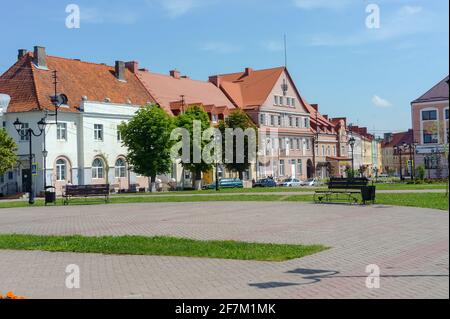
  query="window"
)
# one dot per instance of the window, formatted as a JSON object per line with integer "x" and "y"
{"x": 300, "y": 167}
{"x": 98, "y": 132}
{"x": 119, "y": 135}
{"x": 429, "y": 115}
{"x": 215, "y": 118}
{"x": 430, "y": 138}
{"x": 323, "y": 150}
{"x": 293, "y": 102}
{"x": 446, "y": 114}
{"x": 121, "y": 168}
{"x": 297, "y": 122}
{"x": 281, "y": 100}
{"x": 279, "y": 120}
{"x": 288, "y": 101}
{"x": 292, "y": 145}
{"x": 291, "y": 121}
{"x": 432, "y": 162}
{"x": 281, "y": 167}
{"x": 308, "y": 144}
{"x": 61, "y": 131}
{"x": 272, "y": 120}
{"x": 61, "y": 170}
{"x": 298, "y": 144}
{"x": 262, "y": 119}
{"x": 2, "y": 179}
{"x": 97, "y": 169}
{"x": 24, "y": 132}
{"x": 306, "y": 120}
{"x": 10, "y": 175}
{"x": 276, "y": 99}
{"x": 334, "y": 151}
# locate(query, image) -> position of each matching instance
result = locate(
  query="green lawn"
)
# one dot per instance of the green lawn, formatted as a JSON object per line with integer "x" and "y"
{"x": 159, "y": 246}
{"x": 425, "y": 200}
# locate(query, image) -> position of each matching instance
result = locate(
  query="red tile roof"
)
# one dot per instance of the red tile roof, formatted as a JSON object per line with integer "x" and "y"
{"x": 251, "y": 88}
{"x": 438, "y": 93}
{"x": 399, "y": 139}
{"x": 30, "y": 87}
{"x": 168, "y": 90}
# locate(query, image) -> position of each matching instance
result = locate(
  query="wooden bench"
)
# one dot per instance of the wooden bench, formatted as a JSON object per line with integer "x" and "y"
{"x": 85, "y": 191}
{"x": 348, "y": 189}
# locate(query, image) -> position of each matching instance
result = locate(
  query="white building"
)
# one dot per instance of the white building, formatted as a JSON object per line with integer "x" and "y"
{"x": 84, "y": 147}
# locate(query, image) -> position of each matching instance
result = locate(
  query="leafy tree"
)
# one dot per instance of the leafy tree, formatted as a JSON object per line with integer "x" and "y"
{"x": 147, "y": 137}
{"x": 8, "y": 150}
{"x": 421, "y": 172}
{"x": 186, "y": 120}
{"x": 239, "y": 120}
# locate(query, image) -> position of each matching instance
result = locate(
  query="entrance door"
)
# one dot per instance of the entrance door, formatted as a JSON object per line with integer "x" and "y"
{"x": 309, "y": 169}
{"x": 26, "y": 175}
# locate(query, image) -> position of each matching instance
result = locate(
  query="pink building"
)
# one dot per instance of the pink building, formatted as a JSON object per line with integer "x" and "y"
{"x": 430, "y": 125}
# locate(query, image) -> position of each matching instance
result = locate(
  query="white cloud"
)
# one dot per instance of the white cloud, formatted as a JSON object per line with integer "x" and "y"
{"x": 322, "y": 4}
{"x": 408, "y": 20}
{"x": 220, "y": 47}
{"x": 176, "y": 8}
{"x": 380, "y": 102}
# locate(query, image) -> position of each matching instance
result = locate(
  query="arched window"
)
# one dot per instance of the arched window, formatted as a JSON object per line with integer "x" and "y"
{"x": 121, "y": 168}
{"x": 97, "y": 168}
{"x": 61, "y": 168}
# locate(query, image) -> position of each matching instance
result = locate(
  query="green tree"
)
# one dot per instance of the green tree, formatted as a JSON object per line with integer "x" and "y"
{"x": 186, "y": 121}
{"x": 421, "y": 172}
{"x": 8, "y": 150}
{"x": 147, "y": 137}
{"x": 238, "y": 119}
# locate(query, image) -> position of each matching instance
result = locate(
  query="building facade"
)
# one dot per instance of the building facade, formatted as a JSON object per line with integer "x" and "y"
{"x": 430, "y": 114}
{"x": 398, "y": 154}
{"x": 272, "y": 100}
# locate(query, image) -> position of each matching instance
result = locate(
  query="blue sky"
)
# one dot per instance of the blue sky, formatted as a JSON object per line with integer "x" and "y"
{"x": 368, "y": 75}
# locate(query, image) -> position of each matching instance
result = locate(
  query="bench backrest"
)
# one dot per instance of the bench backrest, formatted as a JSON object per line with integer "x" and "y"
{"x": 73, "y": 190}
{"x": 348, "y": 183}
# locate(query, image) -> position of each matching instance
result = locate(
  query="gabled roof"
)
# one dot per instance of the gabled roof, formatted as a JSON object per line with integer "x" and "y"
{"x": 167, "y": 90}
{"x": 30, "y": 87}
{"x": 399, "y": 139}
{"x": 251, "y": 88}
{"x": 440, "y": 92}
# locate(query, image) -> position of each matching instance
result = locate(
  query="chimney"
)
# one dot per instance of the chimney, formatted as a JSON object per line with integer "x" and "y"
{"x": 248, "y": 71}
{"x": 21, "y": 54}
{"x": 315, "y": 107}
{"x": 175, "y": 74}
{"x": 40, "y": 57}
{"x": 120, "y": 70}
{"x": 215, "y": 80}
{"x": 133, "y": 66}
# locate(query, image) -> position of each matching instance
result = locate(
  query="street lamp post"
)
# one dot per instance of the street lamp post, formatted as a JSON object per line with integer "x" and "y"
{"x": 352, "y": 142}
{"x": 399, "y": 153}
{"x": 29, "y": 133}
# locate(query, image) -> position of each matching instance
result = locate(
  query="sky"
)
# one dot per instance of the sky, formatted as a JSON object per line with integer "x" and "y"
{"x": 368, "y": 73}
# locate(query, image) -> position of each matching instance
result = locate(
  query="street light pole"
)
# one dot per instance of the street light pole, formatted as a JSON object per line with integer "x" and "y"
{"x": 29, "y": 134}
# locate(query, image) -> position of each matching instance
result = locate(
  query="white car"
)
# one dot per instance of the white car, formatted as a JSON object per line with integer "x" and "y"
{"x": 291, "y": 182}
{"x": 311, "y": 182}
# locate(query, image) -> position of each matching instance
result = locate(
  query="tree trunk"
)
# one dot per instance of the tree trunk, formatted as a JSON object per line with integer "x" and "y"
{"x": 241, "y": 175}
{"x": 198, "y": 180}
{"x": 153, "y": 184}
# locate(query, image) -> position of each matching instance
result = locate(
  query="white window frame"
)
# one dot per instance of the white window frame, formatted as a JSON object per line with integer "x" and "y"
{"x": 99, "y": 132}
{"x": 61, "y": 170}
{"x": 61, "y": 129}
{"x": 120, "y": 171}
{"x": 98, "y": 169}
{"x": 24, "y": 132}
{"x": 422, "y": 121}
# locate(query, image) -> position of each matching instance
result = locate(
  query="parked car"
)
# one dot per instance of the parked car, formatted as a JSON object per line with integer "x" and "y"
{"x": 291, "y": 182}
{"x": 312, "y": 182}
{"x": 265, "y": 182}
{"x": 226, "y": 183}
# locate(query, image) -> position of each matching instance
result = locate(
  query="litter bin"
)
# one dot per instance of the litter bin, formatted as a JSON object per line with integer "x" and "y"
{"x": 50, "y": 195}
{"x": 368, "y": 194}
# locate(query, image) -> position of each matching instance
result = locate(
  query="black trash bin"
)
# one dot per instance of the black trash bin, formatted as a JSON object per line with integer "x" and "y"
{"x": 368, "y": 194}
{"x": 50, "y": 195}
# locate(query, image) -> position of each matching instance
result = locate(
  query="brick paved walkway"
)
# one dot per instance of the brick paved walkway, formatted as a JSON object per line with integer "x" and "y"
{"x": 410, "y": 245}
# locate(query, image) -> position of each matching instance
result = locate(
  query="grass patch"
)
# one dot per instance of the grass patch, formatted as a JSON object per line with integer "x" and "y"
{"x": 424, "y": 200}
{"x": 159, "y": 246}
